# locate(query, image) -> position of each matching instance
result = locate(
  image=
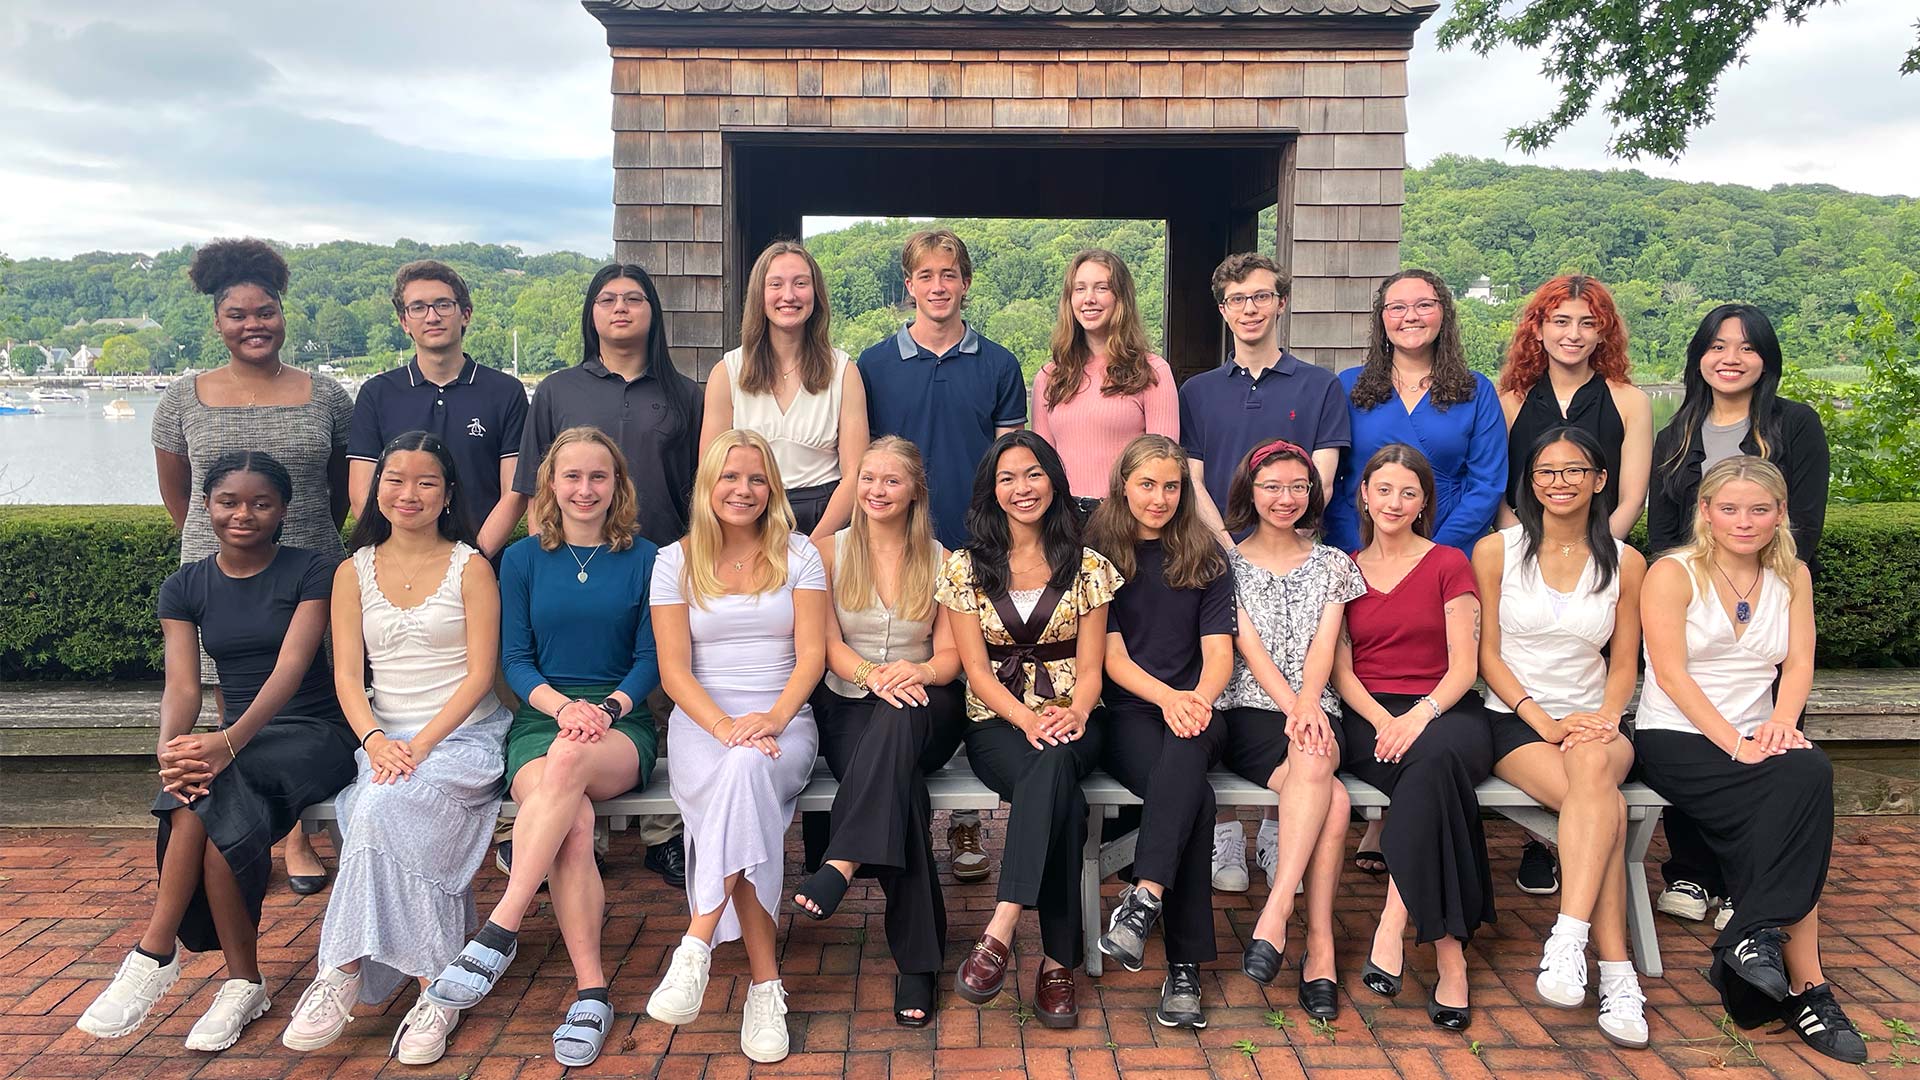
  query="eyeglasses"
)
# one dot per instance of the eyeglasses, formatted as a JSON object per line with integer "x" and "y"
{"x": 609, "y": 301}
{"x": 441, "y": 307}
{"x": 1243, "y": 301}
{"x": 1299, "y": 489}
{"x": 1418, "y": 307}
{"x": 1572, "y": 474}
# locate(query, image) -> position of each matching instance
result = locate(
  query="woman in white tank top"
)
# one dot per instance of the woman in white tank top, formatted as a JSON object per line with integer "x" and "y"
{"x": 1724, "y": 615}
{"x": 787, "y": 382}
{"x": 1557, "y": 589}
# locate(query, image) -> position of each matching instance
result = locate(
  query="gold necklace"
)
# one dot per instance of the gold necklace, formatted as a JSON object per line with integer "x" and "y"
{"x": 408, "y": 583}
{"x": 253, "y": 396}
{"x": 1567, "y": 549}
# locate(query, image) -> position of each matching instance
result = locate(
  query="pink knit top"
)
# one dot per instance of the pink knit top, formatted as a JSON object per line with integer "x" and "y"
{"x": 1090, "y": 429}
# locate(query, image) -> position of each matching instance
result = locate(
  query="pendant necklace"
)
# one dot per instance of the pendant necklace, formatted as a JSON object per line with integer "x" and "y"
{"x": 581, "y": 577}
{"x": 1742, "y": 611}
{"x": 1566, "y": 550}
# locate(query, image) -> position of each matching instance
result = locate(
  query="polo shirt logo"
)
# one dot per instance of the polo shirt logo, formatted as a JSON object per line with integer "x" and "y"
{"x": 475, "y": 428}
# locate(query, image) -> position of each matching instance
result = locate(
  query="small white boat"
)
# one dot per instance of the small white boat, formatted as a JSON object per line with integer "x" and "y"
{"x": 9, "y": 407}
{"x": 117, "y": 409}
{"x": 55, "y": 394}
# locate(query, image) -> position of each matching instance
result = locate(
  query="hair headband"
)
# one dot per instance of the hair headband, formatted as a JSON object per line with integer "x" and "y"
{"x": 1277, "y": 446}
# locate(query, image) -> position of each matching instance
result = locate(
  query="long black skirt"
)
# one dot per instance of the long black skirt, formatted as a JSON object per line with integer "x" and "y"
{"x": 292, "y": 763}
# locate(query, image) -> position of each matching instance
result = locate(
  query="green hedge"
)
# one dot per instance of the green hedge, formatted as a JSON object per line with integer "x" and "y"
{"x": 78, "y": 586}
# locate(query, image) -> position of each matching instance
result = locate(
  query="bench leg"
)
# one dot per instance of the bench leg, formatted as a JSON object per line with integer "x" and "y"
{"x": 1090, "y": 889}
{"x": 1640, "y": 928}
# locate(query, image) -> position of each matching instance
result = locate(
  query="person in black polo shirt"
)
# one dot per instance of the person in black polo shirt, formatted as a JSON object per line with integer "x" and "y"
{"x": 626, "y": 385}
{"x": 477, "y": 411}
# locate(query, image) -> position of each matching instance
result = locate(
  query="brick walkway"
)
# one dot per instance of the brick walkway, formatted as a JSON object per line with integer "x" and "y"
{"x": 72, "y": 902}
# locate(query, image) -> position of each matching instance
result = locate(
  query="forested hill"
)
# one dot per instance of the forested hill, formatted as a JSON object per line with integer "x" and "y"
{"x": 1670, "y": 250}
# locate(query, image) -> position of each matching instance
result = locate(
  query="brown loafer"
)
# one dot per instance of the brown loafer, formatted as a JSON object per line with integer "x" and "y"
{"x": 984, "y": 971}
{"x": 1053, "y": 999}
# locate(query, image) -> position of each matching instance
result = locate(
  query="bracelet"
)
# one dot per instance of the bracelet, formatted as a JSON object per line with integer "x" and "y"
{"x": 371, "y": 734}
{"x": 715, "y": 729}
{"x": 1522, "y": 701}
{"x": 1735, "y": 756}
{"x": 864, "y": 672}
{"x": 1431, "y": 704}
{"x": 231, "y": 752}
{"x": 932, "y": 674}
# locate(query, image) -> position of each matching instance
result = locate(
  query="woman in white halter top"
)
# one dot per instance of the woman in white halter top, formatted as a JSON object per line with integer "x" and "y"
{"x": 1558, "y": 589}
{"x": 1723, "y": 616}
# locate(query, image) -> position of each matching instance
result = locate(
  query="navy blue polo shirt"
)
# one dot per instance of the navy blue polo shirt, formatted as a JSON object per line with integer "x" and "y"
{"x": 949, "y": 406}
{"x": 1226, "y": 412}
{"x": 479, "y": 415}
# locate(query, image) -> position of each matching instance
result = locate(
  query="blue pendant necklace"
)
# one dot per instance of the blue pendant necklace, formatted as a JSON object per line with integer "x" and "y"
{"x": 1742, "y": 611}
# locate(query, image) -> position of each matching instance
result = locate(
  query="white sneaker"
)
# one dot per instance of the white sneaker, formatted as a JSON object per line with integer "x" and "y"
{"x": 1266, "y": 849}
{"x": 1721, "y": 920}
{"x": 763, "y": 1024}
{"x": 1683, "y": 900}
{"x": 125, "y": 1003}
{"x": 323, "y": 1011}
{"x": 677, "y": 999}
{"x": 1623, "y": 1017}
{"x": 1229, "y": 857}
{"x": 422, "y": 1038}
{"x": 1563, "y": 972}
{"x": 239, "y": 1002}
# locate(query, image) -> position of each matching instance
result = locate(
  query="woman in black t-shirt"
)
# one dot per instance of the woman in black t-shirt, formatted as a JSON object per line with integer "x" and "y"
{"x": 227, "y": 795}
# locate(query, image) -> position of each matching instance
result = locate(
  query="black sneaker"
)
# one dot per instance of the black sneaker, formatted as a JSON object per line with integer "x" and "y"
{"x": 1539, "y": 873}
{"x": 669, "y": 860}
{"x": 1757, "y": 959}
{"x": 1180, "y": 998}
{"x": 1817, "y": 1018}
{"x": 1133, "y": 919}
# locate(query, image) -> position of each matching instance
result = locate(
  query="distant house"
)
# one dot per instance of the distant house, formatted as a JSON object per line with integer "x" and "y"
{"x": 58, "y": 360}
{"x": 1481, "y": 290}
{"x": 126, "y": 324}
{"x": 82, "y": 361}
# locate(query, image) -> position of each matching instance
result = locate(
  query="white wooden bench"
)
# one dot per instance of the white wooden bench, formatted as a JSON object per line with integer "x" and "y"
{"x": 955, "y": 787}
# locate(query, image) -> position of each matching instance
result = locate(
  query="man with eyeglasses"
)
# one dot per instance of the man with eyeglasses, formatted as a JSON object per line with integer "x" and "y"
{"x": 1262, "y": 392}
{"x": 477, "y": 411}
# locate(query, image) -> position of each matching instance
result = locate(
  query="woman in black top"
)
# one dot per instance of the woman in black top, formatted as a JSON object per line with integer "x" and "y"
{"x": 1731, "y": 408}
{"x": 226, "y": 796}
{"x": 1169, "y": 654}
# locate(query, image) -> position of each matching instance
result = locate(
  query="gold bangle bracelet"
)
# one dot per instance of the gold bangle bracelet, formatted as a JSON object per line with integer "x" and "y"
{"x": 231, "y": 752}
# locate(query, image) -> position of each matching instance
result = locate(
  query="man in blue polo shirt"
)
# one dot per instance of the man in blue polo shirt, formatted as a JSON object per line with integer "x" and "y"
{"x": 476, "y": 410}
{"x": 1261, "y": 393}
{"x": 945, "y": 387}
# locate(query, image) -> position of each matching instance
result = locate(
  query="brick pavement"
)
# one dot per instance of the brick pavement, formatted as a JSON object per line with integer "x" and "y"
{"x": 72, "y": 902}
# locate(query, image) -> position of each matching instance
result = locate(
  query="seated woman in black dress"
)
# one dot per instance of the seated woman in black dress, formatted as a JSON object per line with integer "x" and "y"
{"x": 227, "y": 796}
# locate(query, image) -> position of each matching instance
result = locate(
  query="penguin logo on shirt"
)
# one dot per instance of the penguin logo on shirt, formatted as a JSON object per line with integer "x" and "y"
{"x": 475, "y": 428}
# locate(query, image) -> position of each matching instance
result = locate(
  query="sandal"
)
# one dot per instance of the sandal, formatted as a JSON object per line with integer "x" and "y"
{"x": 914, "y": 991}
{"x": 1370, "y": 863}
{"x": 470, "y": 977}
{"x": 825, "y": 887}
{"x": 578, "y": 1040}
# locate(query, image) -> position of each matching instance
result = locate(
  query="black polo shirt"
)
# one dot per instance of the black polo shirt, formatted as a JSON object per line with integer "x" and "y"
{"x": 479, "y": 415}
{"x": 655, "y": 423}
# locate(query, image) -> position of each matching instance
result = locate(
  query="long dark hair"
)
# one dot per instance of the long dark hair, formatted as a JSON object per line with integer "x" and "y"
{"x": 1528, "y": 508}
{"x": 1452, "y": 381}
{"x": 373, "y": 526}
{"x": 679, "y": 389}
{"x": 1697, "y": 404}
{"x": 1059, "y": 526}
{"x": 260, "y": 463}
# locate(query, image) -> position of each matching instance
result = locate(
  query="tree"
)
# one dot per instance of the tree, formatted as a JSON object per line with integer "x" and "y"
{"x": 1662, "y": 59}
{"x": 123, "y": 354}
{"x": 337, "y": 327}
{"x": 26, "y": 359}
{"x": 1876, "y": 441}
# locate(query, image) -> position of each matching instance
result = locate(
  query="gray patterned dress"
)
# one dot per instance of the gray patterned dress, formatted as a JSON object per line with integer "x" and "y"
{"x": 1285, "y": 611}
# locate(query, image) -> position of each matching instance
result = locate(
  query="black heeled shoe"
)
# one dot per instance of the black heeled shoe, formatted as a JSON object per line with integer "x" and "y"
{"x": 1451, "y": 1017}
{"x": 1379, "y": 980}
{"x": 1262, "y": 962}
{"x": 1319, "y": 997}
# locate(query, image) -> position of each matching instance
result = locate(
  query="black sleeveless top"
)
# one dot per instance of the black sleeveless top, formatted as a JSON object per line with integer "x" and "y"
{"x": 1591, "y": 409}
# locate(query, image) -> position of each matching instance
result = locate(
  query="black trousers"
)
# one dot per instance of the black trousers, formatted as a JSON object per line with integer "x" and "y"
{"x": 1046, "y": 824}
{"x": 1175, "y": 845}
{"x": 881, "y": 815}
{"x": 1433, "y": 843}
{"x": 1690, "y": 856}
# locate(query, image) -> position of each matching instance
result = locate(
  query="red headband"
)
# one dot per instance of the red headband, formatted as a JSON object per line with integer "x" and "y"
{"x": 1261, "y": 454}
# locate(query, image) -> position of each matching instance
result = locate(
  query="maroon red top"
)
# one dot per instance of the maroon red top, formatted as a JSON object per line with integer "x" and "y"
{"x": 1400, "y": 637}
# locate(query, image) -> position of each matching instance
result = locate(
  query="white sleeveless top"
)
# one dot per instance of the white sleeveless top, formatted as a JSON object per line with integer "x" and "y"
{"x": 806, "y": 437}
{"x": 876, "y": 633}
{"x": 1737, "y": 676}
{"x": 419, "y": 655}
{"x": 1552, "y": 645}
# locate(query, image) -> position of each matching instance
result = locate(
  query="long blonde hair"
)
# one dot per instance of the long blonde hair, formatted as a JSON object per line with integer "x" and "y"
{"x": 1128, "y": 372}
{"x": 699, "y": 582}
{"x": 1778, "y": 555}
{"x": 853, "y": 581}
{"x": 544, "y": 516}
{"x": 816, "y": 347}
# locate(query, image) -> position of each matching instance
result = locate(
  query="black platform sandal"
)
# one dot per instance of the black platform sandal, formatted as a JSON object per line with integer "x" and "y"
{"x": 825, "y": 887}
{"x": 914, "y": 991}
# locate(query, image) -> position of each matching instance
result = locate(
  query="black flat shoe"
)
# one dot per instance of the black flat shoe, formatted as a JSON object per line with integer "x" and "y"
{"x": 1370, "y": 863}
{"x": 307, "y": 884}
{"x": 825, "y": 887}
{"x": 914, "y": 991}
{"x": 1262, "y": 962}
{"x": 1319, "y": 997}
{"x": 1379, "y": 980}
{"x": 1451, "y": 1017}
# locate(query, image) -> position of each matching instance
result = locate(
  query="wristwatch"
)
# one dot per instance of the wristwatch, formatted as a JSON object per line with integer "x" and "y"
{"x": 611, "y": 708}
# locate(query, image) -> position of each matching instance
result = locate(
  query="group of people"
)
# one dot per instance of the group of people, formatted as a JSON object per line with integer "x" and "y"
{"x": 1269, "y": 568}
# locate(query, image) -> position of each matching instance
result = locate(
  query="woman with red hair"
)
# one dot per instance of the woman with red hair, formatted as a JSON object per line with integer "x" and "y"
{"x": 1567, "y": 366}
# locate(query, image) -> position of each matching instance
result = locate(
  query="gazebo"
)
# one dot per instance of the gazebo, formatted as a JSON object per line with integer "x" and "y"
{"x": 733, "y": 119}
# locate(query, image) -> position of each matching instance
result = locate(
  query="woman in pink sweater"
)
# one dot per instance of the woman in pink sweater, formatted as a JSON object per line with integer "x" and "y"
{"x": 1104, "y": 384}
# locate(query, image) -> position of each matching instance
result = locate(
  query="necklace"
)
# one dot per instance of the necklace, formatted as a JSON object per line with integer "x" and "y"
{"x": 1742, "y": 611}
{"x": 1568, "y": 549}
{"x": 1026, "y": 569}
{"x": 1421, "y": 383}
{"x": 581, "y": 577}
{"x": 253, "y": 396}
{"x": 408, "y": 583}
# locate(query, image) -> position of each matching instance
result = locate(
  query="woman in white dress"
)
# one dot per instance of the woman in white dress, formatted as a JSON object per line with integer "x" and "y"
{"x": 740, "y": 622}
{"x": 416, "y": 605}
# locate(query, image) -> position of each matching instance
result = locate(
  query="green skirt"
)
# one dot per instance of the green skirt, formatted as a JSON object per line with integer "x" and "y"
{"x": 533, "y": 732}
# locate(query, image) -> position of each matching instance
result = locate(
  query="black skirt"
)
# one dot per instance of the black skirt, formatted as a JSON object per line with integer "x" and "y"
{"x": 292, "y": 763}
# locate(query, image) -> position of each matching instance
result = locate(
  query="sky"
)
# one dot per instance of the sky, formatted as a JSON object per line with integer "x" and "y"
{"x": 134, "y": 126}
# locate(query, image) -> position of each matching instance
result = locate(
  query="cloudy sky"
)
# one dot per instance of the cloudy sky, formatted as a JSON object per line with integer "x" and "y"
{"x": 129, "y": 125}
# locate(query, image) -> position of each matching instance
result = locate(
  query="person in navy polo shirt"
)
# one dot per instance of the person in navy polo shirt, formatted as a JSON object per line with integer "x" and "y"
{"x": 477, "y": 411}
{"x": 943, "y": 386}
{"x": 1261, "y": 393}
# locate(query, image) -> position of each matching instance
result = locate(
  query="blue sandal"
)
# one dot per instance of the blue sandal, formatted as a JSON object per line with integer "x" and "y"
{"x": 578, "y": 1041}
{"x": 471, "y": 976}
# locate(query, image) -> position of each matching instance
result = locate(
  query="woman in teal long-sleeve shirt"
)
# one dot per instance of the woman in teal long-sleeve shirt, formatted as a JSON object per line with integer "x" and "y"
{"x": 1415, "y": 388}
{"x": 577, "y": 642}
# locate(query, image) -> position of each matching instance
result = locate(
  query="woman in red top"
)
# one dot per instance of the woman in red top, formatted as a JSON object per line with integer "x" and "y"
{"x": 1414, "y": 727}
